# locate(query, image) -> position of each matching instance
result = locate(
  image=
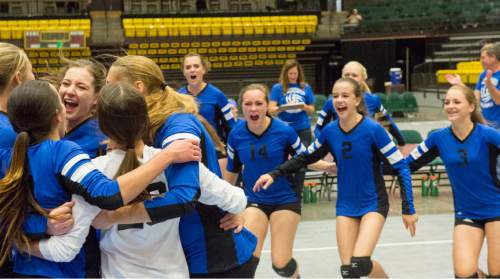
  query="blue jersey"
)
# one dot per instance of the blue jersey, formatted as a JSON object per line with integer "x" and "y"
{"x": 259, "y": 154}
{"x": 58, "y": 169}
{"x": 359, "y": 155}
{"x": 373, "y": 106}
{"x": 208, "y": 248}
{"x": 89, "y": 137}
{"x": 471, "y": 168}
{"x": 7, "y": 133}
{"x": 214, "y": 107}
{"x": 491, "y": 111}
{"x": 296, "y": 118}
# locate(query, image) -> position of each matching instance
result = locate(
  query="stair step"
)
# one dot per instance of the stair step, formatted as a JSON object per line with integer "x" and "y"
{"x": 475, "y": 37}
{"x": 456, "y": 52}
{"x": 451, "y": 59}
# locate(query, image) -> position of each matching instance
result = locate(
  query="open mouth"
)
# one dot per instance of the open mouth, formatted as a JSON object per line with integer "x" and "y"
{"x": 254, "y": 117}
{"x": 193, "y": 77}
{"x": 341, "y": 109}
{"x": 70, "y": 104}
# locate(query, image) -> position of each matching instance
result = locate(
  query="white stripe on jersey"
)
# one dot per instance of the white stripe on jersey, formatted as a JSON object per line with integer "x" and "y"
{"x": 72, "y": 162}
{"x": 230, "y": 154}
{"x": 302, "y": 149}
{"x": 388, "y": 147}
{"x": 230, "y": 147}
{"x": 82, "y": 171}
{"x": 296, "y": 144}
{"x": 314, "y": 146}
{"x": 415, "y": 154}
{"x": 395, "y": 157}
{"x": 179, "y": 136}
{"x": 226, "y": 108}
{"x": 322, "y": 113}
{"x": 228, "y": 115}
{"x": 423, "y": 146}
{"x": 320, "y": 120}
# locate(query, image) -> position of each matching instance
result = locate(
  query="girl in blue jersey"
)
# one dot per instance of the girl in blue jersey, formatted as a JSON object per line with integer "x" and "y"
{"x": 292, "y": 89}
{"x": 213, "y": 104}
{"x": 132, "y": 246}
{"x": 40, "y": 172}
{"x": 80, "y": 83}
{"x": 469, "y": 150}
{"x": 210, "y": 250}
{"x": 374, "y": 107}
{"x": 257, "y": 145}
{"x": 359, "y": 145}
{"x": 15, "y": 68}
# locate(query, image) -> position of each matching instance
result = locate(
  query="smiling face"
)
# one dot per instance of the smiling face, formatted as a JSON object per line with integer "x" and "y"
{"x": 354, "y": 71}
{"x": 193, "y": 70}
{"x": 293, "y": 75}
{"x": 78, "y": 95}
{"x": 488, "y": 61}
{"x": 456, "y": 106}
{"x": 254, "y": 106}
{"x": 345, "y": 100}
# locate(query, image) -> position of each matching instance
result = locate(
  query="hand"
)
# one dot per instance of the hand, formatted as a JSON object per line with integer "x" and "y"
{"x": 487, "y": 78}
{"x": 454, "y": 79}
{"x": 409, "y": 221}
{"x": 182, "y": 151}
{"x": 263, "y": 182}
{"x": 62, "y": 220}
{"x": 332, "y": 168}
{"x": 232, "y": 221}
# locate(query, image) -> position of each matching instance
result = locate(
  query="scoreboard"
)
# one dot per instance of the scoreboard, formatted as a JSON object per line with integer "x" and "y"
{"x": 54, "y": 40}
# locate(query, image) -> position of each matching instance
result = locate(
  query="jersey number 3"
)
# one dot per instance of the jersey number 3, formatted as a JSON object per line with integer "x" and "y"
{"x": 463, "y": 155}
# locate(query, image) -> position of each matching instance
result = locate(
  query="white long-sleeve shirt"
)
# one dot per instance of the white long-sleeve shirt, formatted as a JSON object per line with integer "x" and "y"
{"x": 152, "y": 251}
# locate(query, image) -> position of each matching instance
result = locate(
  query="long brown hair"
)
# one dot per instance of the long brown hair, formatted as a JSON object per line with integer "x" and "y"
{"x": 289, "y": 64}
{"x": 123, "y": 117}
{"x": 361, "y": 108}
{"x": 161, "y": 99}
{"x": 30, "y": 100}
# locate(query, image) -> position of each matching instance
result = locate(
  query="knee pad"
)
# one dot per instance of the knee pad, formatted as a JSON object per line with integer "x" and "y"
{"x": 362, "y": 265}
{"x": 288, "y": 270}
{"x": 474, "y": 275}
{"x": 347, "y": 272}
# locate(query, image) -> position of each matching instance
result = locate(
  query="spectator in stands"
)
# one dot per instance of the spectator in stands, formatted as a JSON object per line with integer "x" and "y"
{"x": 201, "y": 5}
{"x": 468, "y": 149}
{"x": 214, "y": 106}
{"x": 80, "y": 83}
{"x": 354, "y": 19}
{"x": 292, "y": 99}
{"x": 487, "y": 89}
{"x": 374, "y": 107}
{"x": 359, "y": 146}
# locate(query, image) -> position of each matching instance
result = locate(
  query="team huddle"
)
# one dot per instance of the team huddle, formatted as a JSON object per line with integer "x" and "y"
{"x": 113, "y": 173}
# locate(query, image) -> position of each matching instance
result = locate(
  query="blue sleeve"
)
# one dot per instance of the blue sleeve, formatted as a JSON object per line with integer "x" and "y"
{"x": 393, "y": 128}
{"x": 233, "y": 161}
{"x": 225, "y": 108}
{"x": 478, "y": 84}
{"x": 309, "y": 94}
{"x": 389, "y": 150}
{"x": 79, "y": 176}
{"x": 183, "y": 179}
{"x": 324, "y": 117}
{"x": 492, "y": 136}
{"x": 424, "y": 153}
{"x": 275, "y": 93}
{"x": 294, "y": 142}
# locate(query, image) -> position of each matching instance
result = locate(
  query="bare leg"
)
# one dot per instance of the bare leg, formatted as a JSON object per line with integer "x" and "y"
{"x": 492, "y": 230}
{"x": 284, "y": 225}
{"x": 467, "y": 242}
{"x": 256, "y": 221}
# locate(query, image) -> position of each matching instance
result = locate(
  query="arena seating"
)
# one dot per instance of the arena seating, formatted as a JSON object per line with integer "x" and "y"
{"x": 468, "y": 71}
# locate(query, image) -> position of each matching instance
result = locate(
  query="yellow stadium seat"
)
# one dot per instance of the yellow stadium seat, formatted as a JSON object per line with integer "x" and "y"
{"x": 232, "y": 49}
{"x": 162, "y": 31}
{"x": 183, "y": 30}
{"x": 131, "y": 52}
{"x": 236, "y": 43}
{"x": 248, "y": 29}
{"x": 259, "y": 62}
{"x": 223, "y": 58}
{"x": 252, "y": 49}
{"x": 282, "y": 55}
{"x": 306, "y": 41}
{"x": 142, "y": 52}
{"x": 291, "y": 55}
{"x": 227, "y": 29}
{"x": 182, "y": 51}
{"x": 133, "y": 46}
{"x": 310, "y": 27}
{"x": 233, "y": 57}
{"x": 5, "y": 33}
{"x": 252, "y": 57}
{"x": 202, "y": 50}
{"x": 152, "y": 51}
{"x": 269, "y": 62}
{"x": 271, "y": 49}
{"x": 272, "y": 56}
{"x": 195, "y": 30}
{"x": 228, "y": 64}
{"x": 242, "y": 49}
{"x": 164, "y": 45}
{"x": 172, "y": 60}
{"x": 213, "y": 58}
{"x": 216, "y": 44}
{"x": 205, "y": 44}
{"x": 162, "y": 51}
{"x": 206, "y": 30}
{"x": 226, "y": 43}
{"x": 151, "y": 31}
{"x": 237, "y": 28}
{"x": 248, "y": 63}
{"x": 155, "y": 59}
{"x": 172, "y": 51}
{"x": 140, "y": 31}
{"x": 184, "y": 44}
{"x": 173, "y": 30}
{"x": 300, "y": 48}
{"x": 165, "y": 66}
{"x": 212, "y": 50}
{"x": 238, "y": 64}
{"x": 193, "y": 50}
{"x": 242, "y": 57}
{"x": 217, "y": 65}
{"x": 143, "y": 45}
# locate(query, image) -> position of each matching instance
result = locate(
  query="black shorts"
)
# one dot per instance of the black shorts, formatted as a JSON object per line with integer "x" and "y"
{"x": 268, "y": 209}
{"x": 246, "y": 270}
{"x": 477, "y": 223}
{"x": 382, "y": 211}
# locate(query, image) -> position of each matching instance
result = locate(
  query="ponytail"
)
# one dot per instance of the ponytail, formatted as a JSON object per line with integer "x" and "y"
{"x": 16, "y": 199}
{"x": 128, "y": 164}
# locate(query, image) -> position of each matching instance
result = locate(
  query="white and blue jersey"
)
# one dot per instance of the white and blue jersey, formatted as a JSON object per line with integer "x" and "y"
{"x": 259, "y": 154}
{"x": 471, "y": 168}
{"x": 491, "y": 111}
{"x": 359, "y": 155}
{"x": 373, "y": 106}
{"x": 58, "y": 169}
{"x": 207, "y": 247}
{"x": 296, "y": 118}
{"x": 89, "y": 137}
{"x": 7, "y": 133}
{"x": 215, "y": 108}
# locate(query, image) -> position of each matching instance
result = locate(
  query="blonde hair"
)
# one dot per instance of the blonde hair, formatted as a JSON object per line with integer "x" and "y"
{"x": 364, "y": 74}
{"x": 12, "y": 61}
{"x": 289, "y": 64}
{"x": 492, "y": 50}
{"x": 162, "y": 101}
{"x": 475, "y": 115}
